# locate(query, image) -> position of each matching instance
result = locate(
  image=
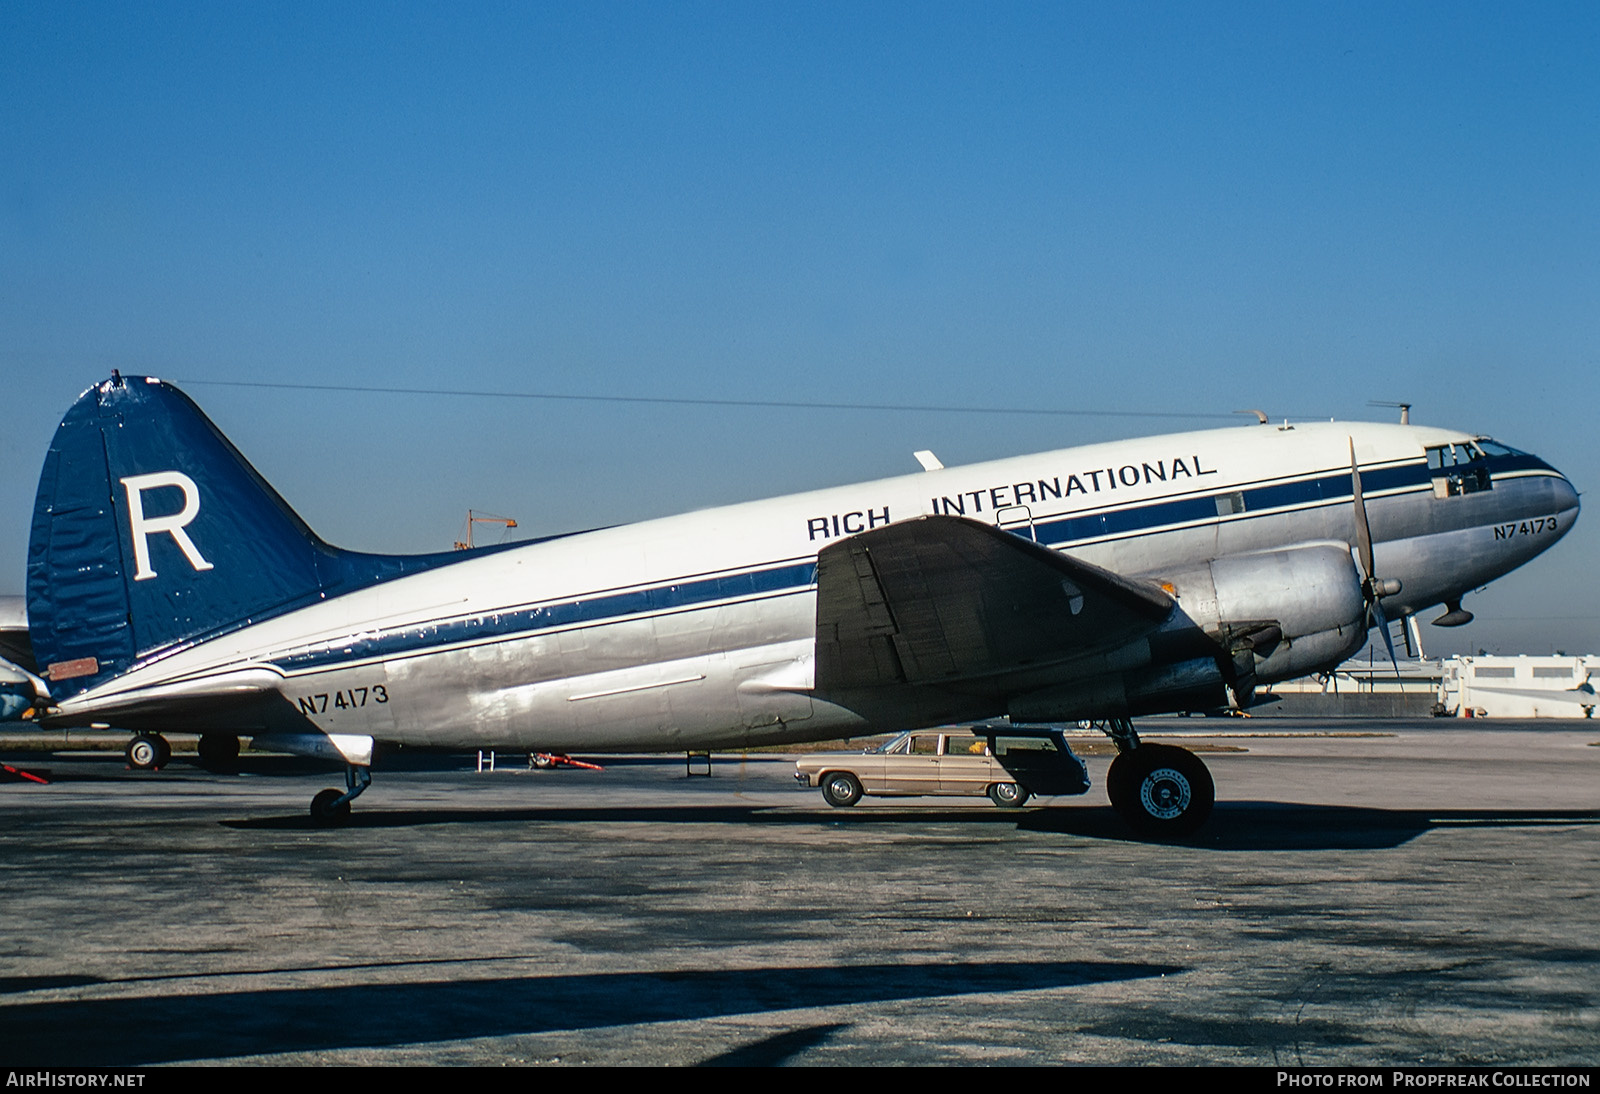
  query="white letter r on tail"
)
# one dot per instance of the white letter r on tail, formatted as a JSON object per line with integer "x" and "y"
{"x": 143, "y": 527}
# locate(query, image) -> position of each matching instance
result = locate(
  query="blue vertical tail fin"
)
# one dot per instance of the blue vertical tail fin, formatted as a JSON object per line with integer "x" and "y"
{"x": 151, "y": 531}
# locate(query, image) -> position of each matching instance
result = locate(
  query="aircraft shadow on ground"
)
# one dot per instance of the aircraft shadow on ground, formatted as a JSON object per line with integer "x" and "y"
{"x": 774, "y": 1050}
{"x": 1234, "y": 826}
{"x": 1282, "y": 826}
{"x": 171, "y": 1028}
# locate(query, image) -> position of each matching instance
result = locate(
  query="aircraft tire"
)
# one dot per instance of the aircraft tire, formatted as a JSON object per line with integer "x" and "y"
{"x": 218, "y": 751}
{"x": 841, "y": 789}
{"x": 1162, "y": 791}
{"x": 148, "y": 752}
{"x": 324, "y": 814}
{"x": 1008, "y": 795}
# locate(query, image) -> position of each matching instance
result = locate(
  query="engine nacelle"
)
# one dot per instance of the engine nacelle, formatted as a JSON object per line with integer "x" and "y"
{"x": 1240, "y": 620}
{"x": 1276, "y": 614}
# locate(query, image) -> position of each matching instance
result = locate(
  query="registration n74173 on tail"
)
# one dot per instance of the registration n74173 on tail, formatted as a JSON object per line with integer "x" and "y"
{"x": 170, "y": 587}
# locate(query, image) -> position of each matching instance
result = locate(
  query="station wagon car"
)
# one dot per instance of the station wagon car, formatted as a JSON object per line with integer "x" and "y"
{"x": 1008, "y": 766}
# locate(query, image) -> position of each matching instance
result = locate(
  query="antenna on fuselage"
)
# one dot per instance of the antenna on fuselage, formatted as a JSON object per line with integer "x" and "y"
{"x": 1405, "y": 409}
{"x": 1261, "y": 415}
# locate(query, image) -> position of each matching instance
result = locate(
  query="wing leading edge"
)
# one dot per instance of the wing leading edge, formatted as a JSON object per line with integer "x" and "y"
{"x": 939, "y": 599}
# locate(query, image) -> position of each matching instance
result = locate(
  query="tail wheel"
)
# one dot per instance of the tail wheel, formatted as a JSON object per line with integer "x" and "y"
{"x": 841, "y": 789}
{"x": 1160, "y": 790}
{"x": 325, "y": 813}
{"x": 218, "y": 750}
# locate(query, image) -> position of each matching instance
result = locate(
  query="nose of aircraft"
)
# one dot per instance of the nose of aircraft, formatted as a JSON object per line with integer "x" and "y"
{"x": 1566, "y": 496}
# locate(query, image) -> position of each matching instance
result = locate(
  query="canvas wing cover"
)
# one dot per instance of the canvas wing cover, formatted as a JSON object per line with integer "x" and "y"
{"x": 940, "y": 599}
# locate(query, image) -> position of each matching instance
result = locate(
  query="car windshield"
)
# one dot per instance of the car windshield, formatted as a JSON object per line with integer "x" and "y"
{"x": 897, "y": 744}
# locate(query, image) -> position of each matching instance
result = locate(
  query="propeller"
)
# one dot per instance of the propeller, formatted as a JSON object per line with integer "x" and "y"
{"x": 1373, "y": 589}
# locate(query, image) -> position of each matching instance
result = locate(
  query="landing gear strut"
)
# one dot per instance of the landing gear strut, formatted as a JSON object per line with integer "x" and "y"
{"x": 330, "y": 807}
{"x": 1162, "y": 791}
{"x": 148, "y": 752}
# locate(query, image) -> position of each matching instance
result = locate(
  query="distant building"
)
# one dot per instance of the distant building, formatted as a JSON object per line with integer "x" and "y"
{"x": 1518, "y": 687}
{"x": 1458, "y": 687}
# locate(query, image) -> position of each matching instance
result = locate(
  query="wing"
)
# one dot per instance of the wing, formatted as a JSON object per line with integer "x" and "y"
{"x": 939, "y": 599}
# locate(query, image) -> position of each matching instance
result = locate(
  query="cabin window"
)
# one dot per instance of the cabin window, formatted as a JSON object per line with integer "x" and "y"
{"x": 1229, "y": 504}
{"x": 1457, "y": 469}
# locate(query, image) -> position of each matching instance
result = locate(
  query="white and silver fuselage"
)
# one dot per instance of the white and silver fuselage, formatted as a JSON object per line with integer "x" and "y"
{"x": 698, "y": 631}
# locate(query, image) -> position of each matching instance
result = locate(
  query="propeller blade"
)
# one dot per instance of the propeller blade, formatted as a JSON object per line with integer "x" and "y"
{"x": 1371, "y": 588}
{"x": 1363, "y": 529}
{"x": 1383, "y": 627}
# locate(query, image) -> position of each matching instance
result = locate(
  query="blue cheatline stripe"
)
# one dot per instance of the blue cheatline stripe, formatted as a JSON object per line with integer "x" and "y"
{"x": 1257, "y": 499}
{"x": 796, "y": 577}
{"x": 525, "y": 621}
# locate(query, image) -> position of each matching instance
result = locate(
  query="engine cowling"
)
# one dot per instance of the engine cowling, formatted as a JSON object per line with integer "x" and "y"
{"x": 1274, "y": 614}
{"x": 1239, "y": 621}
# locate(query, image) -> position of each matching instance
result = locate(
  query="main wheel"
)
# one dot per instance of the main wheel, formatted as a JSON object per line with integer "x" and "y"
{"x": 147, "y": 753}
{"x": 218, "y": 750}
{"x": 324, "y": 813}
{"x": 841, "y": 788}
{"x": 1161, "y": 790}
{"x": 1008, "y": 795}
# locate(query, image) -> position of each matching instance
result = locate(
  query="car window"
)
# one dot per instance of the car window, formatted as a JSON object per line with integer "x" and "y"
{"x": 1006, "y": 745}
{"x": 965, "y": 746}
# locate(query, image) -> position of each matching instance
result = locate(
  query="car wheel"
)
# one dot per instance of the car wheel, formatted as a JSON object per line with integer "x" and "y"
{"x": 840, "y": 788}
{"x": 145, "y": 753}
{"x": 1008, "y": 795}
{"x": 1160, "y": 790}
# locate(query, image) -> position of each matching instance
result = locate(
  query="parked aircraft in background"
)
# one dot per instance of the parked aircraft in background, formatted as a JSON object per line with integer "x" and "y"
{"x": 170, "y": 587}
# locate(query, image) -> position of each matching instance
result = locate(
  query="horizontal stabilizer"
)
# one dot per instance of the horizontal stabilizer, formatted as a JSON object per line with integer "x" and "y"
{"x": 942, "y": 598}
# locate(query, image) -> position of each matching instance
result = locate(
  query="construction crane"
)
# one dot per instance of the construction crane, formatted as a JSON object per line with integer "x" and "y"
{"x": 482, "y": 518}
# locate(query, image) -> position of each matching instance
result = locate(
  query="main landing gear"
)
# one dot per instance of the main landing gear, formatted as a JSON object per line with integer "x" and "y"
{"x": 1162, "y": 791}
{"x": 148, "y": 752}
{"x": 330, "y": 807}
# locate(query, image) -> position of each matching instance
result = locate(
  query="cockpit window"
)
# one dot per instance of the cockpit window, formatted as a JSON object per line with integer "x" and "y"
{"x": 1495, "y": 448}
{"x": 1457, "y": 469}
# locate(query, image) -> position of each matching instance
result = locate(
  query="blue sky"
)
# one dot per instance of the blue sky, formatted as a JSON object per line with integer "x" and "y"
{"x": 1147, "y": 208}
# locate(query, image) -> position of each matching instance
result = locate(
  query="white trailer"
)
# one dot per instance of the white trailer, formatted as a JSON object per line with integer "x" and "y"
{"x": 1518, "y": 687}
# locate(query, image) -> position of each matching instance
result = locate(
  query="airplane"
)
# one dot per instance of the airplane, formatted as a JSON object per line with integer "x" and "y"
{"x": 169, "y": 585}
